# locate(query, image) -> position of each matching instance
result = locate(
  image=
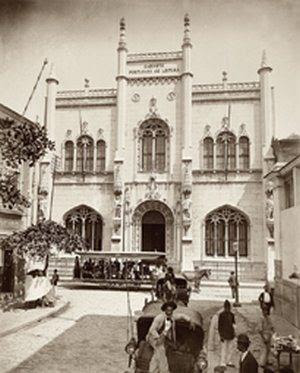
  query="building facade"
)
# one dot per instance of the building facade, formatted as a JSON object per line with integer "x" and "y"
{"x": 284, "y": 185}
{"x": 161, "y": 163}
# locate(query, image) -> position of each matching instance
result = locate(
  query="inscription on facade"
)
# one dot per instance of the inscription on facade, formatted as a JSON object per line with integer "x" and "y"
{"x": 155, "y": 68}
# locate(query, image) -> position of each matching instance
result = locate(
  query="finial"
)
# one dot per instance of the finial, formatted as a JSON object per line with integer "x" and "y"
{"x": 224, "y": 73}
{"x": 52, "y": 75}
{"x": 186, "y": 20}
{"x": 186, "y": 38}
{"x": 86, "y": 83}
{"x": 264, "y": 59}
{"x": 264, "y": 63}
{"x": 122, "y": 39}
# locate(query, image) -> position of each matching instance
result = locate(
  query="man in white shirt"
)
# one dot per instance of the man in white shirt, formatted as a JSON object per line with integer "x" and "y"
{"x": 266, "y": 299}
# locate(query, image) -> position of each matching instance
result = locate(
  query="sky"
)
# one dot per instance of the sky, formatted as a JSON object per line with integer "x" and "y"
{"x": 81, "y": 37}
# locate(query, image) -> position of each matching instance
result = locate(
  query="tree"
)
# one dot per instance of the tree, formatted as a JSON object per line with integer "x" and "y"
{"x": 38, "y": 239}
{"x": 19, "y": 143}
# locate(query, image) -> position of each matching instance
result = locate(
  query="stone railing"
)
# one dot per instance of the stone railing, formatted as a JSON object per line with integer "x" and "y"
{"x": 81, "y": 93}
{"x": 247, "y": 86}
{"x": 153, "y": 56}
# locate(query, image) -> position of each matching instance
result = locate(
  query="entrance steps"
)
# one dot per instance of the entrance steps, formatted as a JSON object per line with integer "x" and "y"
{"x": 64, "y": 266}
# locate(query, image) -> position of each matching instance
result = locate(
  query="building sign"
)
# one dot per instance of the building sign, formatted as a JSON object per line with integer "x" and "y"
{"x": 153, "y": 68}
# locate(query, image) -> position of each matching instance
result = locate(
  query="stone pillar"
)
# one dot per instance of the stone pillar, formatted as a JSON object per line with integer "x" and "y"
{"x": 186, "y": 86}
{"x": 48, "y": 163}
{"x": 266, "y": 122}
{"x": 121, "y": 92}
{"x": 118, "y": 218}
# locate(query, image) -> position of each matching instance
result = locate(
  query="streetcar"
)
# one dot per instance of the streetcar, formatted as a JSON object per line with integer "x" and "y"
{"x": 119, "y": 270}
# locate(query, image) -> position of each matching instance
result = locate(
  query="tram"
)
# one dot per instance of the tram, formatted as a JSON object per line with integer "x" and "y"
{"x": 121, "y": 270}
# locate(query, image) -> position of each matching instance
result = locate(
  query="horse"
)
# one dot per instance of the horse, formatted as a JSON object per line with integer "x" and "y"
{"x": 196, "y": 276}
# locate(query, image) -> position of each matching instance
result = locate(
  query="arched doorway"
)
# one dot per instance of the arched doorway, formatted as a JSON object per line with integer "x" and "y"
{"x": 88, "y": 224}
{"x": 153, "y": 218}
{"x": 153, "y": 231}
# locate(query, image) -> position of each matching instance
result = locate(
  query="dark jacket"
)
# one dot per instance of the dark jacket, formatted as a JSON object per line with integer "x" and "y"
{"x": 249, "y": 364}
{"x": 225, "y": 325}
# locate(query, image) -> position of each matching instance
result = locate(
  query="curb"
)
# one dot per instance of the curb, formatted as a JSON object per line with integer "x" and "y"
{"x": 28, "y": 324}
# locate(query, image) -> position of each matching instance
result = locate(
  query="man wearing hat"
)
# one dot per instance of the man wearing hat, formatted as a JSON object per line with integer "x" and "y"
{"x": 161, "y": 331}
{"x": 248, "y": 363}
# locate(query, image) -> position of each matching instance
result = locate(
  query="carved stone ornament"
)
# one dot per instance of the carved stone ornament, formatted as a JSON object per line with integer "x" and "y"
{"x": 186, "y": 213}
{"x": 225, "y": 123}
{"x": 152, "y": 109}
{"x": 207, "y": 132}
{"x": 135, "y": 97}
{"x": 242, "y": 130}
{"x": 152, "y": 189}
{"x": 118, "y": 206}
{"x": 171, "y": 96}
{"x": 68, "y": 134}
{"x": 270, "y": 208}
{"x": 117, "y": 181}
{"x": 117, "y": 226}
{"x": 100, "y": 133}
{"x": 85, "y": 127}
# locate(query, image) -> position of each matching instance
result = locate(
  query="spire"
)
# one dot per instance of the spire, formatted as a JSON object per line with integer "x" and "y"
{"x": 187, "y": 36}
{"x": 264, "y": 62}
{"x": 52, "y": 75}
{"x": 122, "y": 38}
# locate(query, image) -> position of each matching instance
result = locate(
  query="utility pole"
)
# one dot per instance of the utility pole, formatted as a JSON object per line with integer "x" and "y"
{"x": 236, "y": 251}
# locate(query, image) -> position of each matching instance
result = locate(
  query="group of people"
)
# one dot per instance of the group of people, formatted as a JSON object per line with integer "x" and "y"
{"x": 112, "y": 268}
{"x": 39, "y": 290}
{"x": 226, "y": 329}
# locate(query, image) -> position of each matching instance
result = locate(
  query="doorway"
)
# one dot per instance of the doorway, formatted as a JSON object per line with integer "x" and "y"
{"x": 153, "y": 231}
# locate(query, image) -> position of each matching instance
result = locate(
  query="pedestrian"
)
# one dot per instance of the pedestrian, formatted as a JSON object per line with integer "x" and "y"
{"x": 266, "y": 299}
{"x": 233, "y": 284}
{"x": 266, "y": 330}
{"x": 248, "y": 363}
{"x": 77, "y": 269}
{"x": 226, "y": 330}
{"x": 54, "y": 281}
{"x": 161, "y": 332}
{"x": 197, "y": 279}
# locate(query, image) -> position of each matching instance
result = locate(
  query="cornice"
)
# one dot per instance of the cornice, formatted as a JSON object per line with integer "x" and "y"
{"x": 229, "y": 87}
{"x": 91, "y": 97}
{"x": 153, "y": 80}
{"x": 154, "y": 56}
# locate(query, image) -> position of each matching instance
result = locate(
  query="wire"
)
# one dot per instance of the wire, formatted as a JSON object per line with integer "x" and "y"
{"x": 35, "y": 86}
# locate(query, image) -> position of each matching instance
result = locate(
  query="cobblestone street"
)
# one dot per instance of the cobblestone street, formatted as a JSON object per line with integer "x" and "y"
{"x": 89, "y": 337}
{"x": 91, "y": 334}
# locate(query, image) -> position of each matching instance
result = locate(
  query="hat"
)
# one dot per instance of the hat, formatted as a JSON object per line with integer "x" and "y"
{"x": 169, "y": 304}
{"x": 244, "y": 339}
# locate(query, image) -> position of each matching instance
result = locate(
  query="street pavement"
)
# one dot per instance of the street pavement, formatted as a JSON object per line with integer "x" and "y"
{"x": 91, "y": 334}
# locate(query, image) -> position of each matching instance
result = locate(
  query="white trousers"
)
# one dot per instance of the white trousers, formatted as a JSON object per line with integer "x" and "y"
{"x": 226, "y": 351}
{"x": 159, "y": 362}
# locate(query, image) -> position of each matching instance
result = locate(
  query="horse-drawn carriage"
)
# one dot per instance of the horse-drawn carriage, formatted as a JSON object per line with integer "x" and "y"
{"x": 181, "y": 286}
{"x": 186, "y": 356}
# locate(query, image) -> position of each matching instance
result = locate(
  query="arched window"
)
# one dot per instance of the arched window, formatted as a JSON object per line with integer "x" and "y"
{"x": 100, "y": 165}
{"x": 88, "y": 224}
{"x": 223, "y": 227}
{"x": 226, "y": 153}
{"x": 244, "y": 153}
{"x": 85, "y": 154}
{"x": 208, "y": 153}
{"x": 153, "y": 138}
{"x": 69, "y": 156}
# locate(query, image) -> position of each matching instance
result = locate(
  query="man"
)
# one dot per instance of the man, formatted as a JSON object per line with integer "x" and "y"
{"x": 232, "y": 283}
{"x": 162, "y": 331}
{"x": 266, "y": 330}
{"x": 266, "y": 299}
{"x": 226, "y": 330}
{"x": 248, "y": 363}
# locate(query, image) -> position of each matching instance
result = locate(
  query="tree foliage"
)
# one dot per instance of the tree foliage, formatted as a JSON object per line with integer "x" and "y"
{"x": 38, "y": 240}
{"x": 19, "y": 143}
